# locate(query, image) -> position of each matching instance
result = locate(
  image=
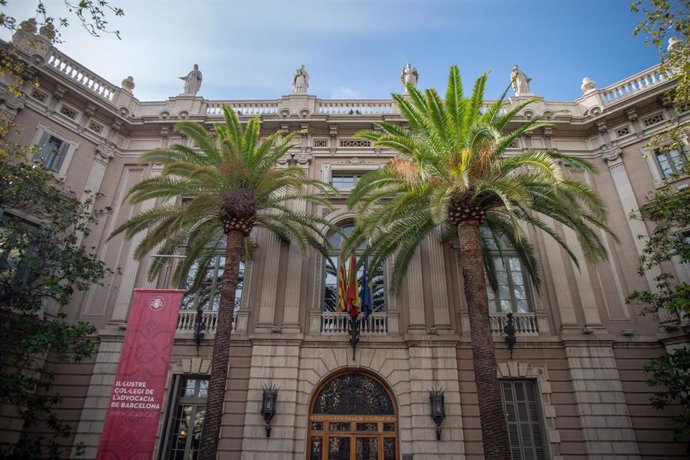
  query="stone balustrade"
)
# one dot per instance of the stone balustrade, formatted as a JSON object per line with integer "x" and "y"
{"x": 636, "y": 83}
{"x": 80, "y": 75}
{"x": 374, "y": 107}
{"x": 187, "y": 318}
{"x": 525, "y": 323}
{"x": 339, "y": 323}
{"x": 250, "y": 108}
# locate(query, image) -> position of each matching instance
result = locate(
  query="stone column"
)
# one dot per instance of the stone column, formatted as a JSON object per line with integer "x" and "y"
{"x": 601, "y": 406}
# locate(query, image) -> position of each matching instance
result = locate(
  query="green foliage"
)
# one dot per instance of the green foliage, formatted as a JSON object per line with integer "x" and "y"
{"x": 42, "y": 262}
{"x": 94, "y": 16}
{"x": 670, "y": 212}
{"x": 670, "y": 372}
{"x": 454, "y": 156}
{"x": 661, "y": 20}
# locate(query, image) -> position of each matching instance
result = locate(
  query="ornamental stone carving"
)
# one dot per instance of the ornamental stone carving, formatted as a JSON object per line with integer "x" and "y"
{"x": 300, "y": 81}
{"x": 28, "y": 26}
{"x": 409, "y": 76}
{"x": 192, "y": 82}
{"x": 588, "y": 86}
{"x": 520, "y": 82}
{"x": 48, "y": 31}
{"x": 673, "y": 44}
{"x": 128, "y": 84}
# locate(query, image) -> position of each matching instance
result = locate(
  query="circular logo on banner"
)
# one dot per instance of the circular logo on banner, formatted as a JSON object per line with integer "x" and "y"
{"x": 156, "y": 303}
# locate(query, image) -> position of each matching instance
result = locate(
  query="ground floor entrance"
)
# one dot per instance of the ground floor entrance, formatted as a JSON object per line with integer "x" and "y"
{"x": 353, "y": 417}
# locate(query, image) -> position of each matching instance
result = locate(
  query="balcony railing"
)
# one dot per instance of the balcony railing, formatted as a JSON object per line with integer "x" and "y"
{"x": 635, "y": 84}
{"x": 525, "y": 323}
{"x": 250, "y": 108}
{"x": 373, "y": 107}
{"x": 81, "y": 75}
{"x": 187, "y": 318}
{"x": 339, "y": 324}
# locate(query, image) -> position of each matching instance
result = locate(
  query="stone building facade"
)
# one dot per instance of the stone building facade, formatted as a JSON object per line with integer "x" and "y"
{"x": 575, "y": 373}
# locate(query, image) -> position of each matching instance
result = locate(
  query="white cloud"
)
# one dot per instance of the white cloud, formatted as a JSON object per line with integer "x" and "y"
{"x": 343, "y": 92}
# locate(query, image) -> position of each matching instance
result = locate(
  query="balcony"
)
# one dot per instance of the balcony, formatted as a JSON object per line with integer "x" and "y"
{"x": 339, "y": 324}
{"x": 525, "y": 323}
{"x": 185, "y": 322}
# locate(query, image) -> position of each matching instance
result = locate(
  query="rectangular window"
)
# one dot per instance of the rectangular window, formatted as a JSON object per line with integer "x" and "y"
{"x": 185, "y": 418}
{"x": 671, "y": 163}
{"x": 51, "y": 152}
{"x": 523, "y": 416}
{"x": 512, "y": 293}
{"x": 344, "y": 181}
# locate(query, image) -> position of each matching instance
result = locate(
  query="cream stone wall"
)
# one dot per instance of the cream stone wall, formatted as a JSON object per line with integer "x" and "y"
{"x": 593, "y": 397}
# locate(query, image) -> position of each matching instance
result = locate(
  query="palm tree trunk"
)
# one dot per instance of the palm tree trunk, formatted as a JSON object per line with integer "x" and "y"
{"x": 493, "y": 423}
{"x": 221, "y": 347}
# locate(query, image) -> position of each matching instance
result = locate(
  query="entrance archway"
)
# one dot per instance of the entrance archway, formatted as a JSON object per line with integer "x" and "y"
{"x": 353, "y": 416}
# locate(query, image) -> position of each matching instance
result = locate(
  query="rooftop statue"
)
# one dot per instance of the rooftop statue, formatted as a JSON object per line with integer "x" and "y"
{"x": 409, "y": 76}
{"x": 300, "y": 82}
{"x": 192, "y": 82}
{"x": 520, "y": 81}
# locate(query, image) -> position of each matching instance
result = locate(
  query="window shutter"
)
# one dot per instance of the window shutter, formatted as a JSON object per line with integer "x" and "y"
{"x": 60, "y": 157}
{"x": 42, "y": 153}
{"x": 523, "y": 419}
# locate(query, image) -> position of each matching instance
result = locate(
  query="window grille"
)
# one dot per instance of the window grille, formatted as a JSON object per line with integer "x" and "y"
{"x": 68, "y": 112}
{"x": 653, "y": 120}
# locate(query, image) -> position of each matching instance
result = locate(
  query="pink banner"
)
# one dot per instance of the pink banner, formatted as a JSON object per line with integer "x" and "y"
{"x": 137, "y": 397}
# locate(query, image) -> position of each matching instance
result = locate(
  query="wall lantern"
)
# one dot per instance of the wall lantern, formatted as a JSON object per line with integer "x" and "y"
{"x": 268, "y": 406}
{"x": 438, "y": 410}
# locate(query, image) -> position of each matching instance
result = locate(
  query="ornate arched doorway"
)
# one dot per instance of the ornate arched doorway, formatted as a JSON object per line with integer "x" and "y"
{"x": 352, "y": 416}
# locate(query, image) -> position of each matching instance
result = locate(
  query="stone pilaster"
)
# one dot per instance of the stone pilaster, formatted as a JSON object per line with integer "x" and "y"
{"x": 92, "y": 419}
{"x": 439, "y": 288}
{"x": 267, "y": 300}
{"x": 131, "y": 269}
{"x": 603, "y": 412}
{"x": 415, "y": 294}
{"x": 629, "y": 204}
{"x": 566, "y": 307}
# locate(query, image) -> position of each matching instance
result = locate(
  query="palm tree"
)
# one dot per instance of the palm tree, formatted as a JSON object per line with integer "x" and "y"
{"x": 452, "y": 169}
{"x": 212, "y": 197}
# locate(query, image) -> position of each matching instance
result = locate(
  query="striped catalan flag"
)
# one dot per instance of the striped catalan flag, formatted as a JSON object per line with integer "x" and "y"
{"x": 352, "y": 290}
{"x": 342, "y": 284}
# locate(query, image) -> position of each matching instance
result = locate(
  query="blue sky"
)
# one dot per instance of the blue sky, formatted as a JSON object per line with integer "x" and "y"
{"x": 249, "y": 49}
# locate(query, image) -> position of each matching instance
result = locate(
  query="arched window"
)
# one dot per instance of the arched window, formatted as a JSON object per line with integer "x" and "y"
{"x": 375, "y": 280}
{"x": 207, "y": 296}
{"x": 352, "y": 416}
{"x": 512, "y": 293}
